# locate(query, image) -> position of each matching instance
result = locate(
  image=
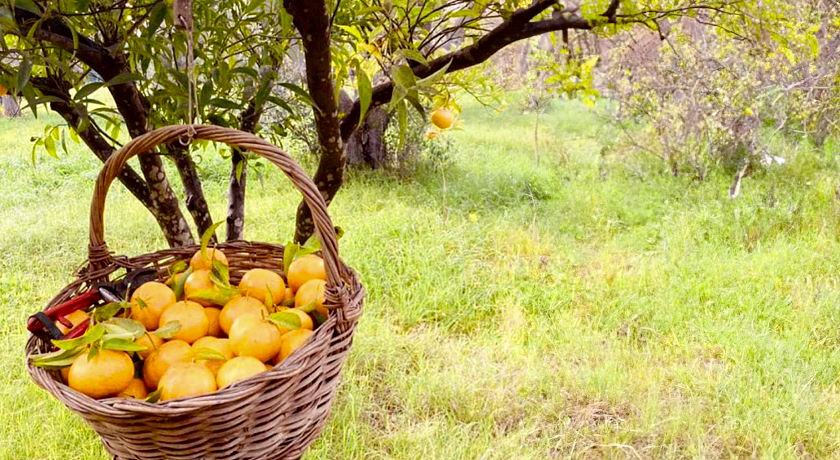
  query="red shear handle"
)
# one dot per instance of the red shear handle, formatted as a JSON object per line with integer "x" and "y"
{"x": 63, "y": 309}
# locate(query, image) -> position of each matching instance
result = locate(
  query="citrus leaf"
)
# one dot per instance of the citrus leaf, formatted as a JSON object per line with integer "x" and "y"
{"x": 288, "y": 302}
{"x": 210, "y": 295}
{"x": 319, "y": 318}
{"x": 179, "y": 285}
{"x": 313, "y": 244}
{"x": 220, "y": 274}
{"x": 285, "y": 319}
{"x": 289, "y": 256}
{"x": 269, "y": 298}
{"x": 107, "y": 311}
{"x": 402, "y": 113}
{"x": 168, "y": 330}
{"x": 141, "y": 303}
{"x": 310, "y": 307}
{"x": 365, "y": 92}
{"x": 121, "y": 344}
{"x": 178, "y": 267}
{"x": 205, "y": 239}
{"x": 207, "y": 354}
{"x": 132, "y": 327}
{"x": 302, "y": 94}
{"x": 339, "y": 232}
{"x": 56, "y": 359}
{"x": 154, "y": 396}
{"x": 91, "y": 335}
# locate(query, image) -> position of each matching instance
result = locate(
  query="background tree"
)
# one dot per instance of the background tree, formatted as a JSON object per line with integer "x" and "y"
{"x": 395, "y": 54}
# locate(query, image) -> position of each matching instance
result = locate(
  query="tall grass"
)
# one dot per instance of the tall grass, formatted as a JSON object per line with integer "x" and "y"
{"x": 576, "y": 309}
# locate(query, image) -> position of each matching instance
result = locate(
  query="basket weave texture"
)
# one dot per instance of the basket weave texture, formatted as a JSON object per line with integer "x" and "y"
{"x": 274, "y": 415}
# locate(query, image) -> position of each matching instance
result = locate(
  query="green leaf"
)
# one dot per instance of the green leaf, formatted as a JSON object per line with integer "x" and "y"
{"x": 313, "y": 244}
{"x": 209, "y": 295}
{"x": 207, "y": 354}
{"x": 74, "y": 135}
{"x": 365, "y": 92}
{"x": 269, "y": 298}
{"x": 156, "y": 18}
{"x": 397, "y": 97}
{"x": 86, "y": 90}
{"x": 402, "y": 114}
{"x": 178, "y": 267}
{"x": 49, "y": 145}
{"x": 302, "y": 94}
{"x": 289, "y": 256}
{"x": 133, "y": 328}
{"x": 168, "y": 330}
{"x": 240, "y": 166}
{"x": 403, "y": 76}
{"x": 154, "y": 396}
{"x": 414, "y": 55}
{"x": 433, "y": 78}
{"x": 224, "y": 103}
{"x": 23, "y": 75}
{"x": 339, "y": 232}
{"x": 107, "y": 311}
{"x": 56, "y": 359}
{"x": 310, "y": 307}
{"x": 124, "y": 78}
{"x": 179, "y": 284}
{"x": 206, "y": 237}
{"x": 285, "y": 319}
{"x": 219, "y": 274}
{"x": 141, "y": 303}
{"x": 91, "y": 335}
{"x": 121, "y": 344}
{"x": 319, "y": 318}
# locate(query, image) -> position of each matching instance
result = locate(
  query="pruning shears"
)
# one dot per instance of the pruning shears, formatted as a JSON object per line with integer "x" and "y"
{"x": 43, "y": 323}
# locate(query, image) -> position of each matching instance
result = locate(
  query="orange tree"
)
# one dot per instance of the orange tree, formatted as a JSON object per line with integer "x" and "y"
{"x": 252, "y": 57}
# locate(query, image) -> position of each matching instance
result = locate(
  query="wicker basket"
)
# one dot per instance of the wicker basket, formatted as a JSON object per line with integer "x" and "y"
{"x": 273, "y": 415}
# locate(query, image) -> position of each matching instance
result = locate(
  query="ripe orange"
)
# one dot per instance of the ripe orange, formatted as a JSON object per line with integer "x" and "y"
{"x": 136, "y": 389}
{"x": 3, "y": 91}
{"x": 156, "y": 297}
{"x": 258, "y": 281}
{"x": 443, "y": 118}
{"x": 186, "y": 379}
{"x": 254, "y": 336}
{"x": 191, "y": 316}
{"x": 238, "y": 306}
{"x": 106, "y": 374}
{"x": 431, "y": 134}
{"x": 305, "y": 320}
{"x": 214, "y": 330}
{"x": 200, "y": 281}
{"x": 174, "y": 351}
{"x": 65, "y": 374}
{"x": 290, "y": 342}
{"x": 312, "y": 290}
{"x": 304, "y": 269}
{"x": 151, "y": 341}
{"x": 213, "y": 343}
{"x": 200, "y": 263}
{"x": 290, "y": 295}
{"x": 77, "y": 317}
{"x": 237, "y": 369}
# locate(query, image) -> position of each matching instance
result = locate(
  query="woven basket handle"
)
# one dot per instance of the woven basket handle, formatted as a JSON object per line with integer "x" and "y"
{"x": 98, "y": 254}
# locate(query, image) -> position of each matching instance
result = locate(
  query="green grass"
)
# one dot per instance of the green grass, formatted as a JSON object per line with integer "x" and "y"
{"x": 576, "y": 309}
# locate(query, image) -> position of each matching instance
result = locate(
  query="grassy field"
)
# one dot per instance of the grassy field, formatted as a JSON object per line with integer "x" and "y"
{"x": 576, "y": 309}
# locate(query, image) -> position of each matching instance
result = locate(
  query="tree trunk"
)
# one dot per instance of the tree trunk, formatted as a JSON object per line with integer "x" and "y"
{"x": 367, "y": 144}
{"x": 312, "y": 19}
{"x": 195, "y": 200}
{"x": 248, "y": 121}
{"x": 10, "y": 105}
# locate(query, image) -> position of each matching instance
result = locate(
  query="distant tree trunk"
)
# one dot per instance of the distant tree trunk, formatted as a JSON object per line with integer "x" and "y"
{"x": 367, "y": 144}
{"x": 11, "y": 108}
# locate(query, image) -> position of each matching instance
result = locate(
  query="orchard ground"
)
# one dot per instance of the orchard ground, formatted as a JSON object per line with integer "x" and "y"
{"x": 588, "y": 307}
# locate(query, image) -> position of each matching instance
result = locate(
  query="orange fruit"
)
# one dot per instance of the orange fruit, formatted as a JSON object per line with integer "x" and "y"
{"x": 305, "y": 320}
{"x": 200, "y": 281}
{"x": 258, "y": 281}
{"x": 200, "y": 263}
{"x": 3, "y": 91}
{"x": 136, "y": 389}
{"x": 65, "y": 374}
{"x": 312, "y": 290}
{"x": 290, "y": 342}
{"x": 214, "y": 343}
{"x": 174, "y": 351}
{"x": 214, "y": 330}
{"x": 186, "y": 379}
{"x": 304, "y": 269}
{"x": 106, "y": 374}
{"x": 251, "y": 335}
{"x": 151, "y": 341}
{"x": 443, "y": 118}
{"x": 238, "y": 306}
{"x": 191, "y": 316}
{"x": 156, "y": 297}
{"x": 77, "y": 317}
{"x": 431, "y": 134}
{"x": 237, "y": 369}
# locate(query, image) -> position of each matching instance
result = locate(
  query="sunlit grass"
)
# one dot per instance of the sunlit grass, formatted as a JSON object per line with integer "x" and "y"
{"x": 514, "y": 311}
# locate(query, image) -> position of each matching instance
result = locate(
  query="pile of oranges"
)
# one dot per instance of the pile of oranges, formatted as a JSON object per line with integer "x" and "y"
{"x": 194, "y": 333}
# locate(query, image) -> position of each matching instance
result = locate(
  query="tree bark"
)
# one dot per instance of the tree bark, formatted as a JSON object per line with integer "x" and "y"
{"x": 312, "y": 20}
{"x": 10, "y": 105}
{"x": 193, "y": 191}
{"x": 367, "y": 144}
{"x": 238, "y": 177}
